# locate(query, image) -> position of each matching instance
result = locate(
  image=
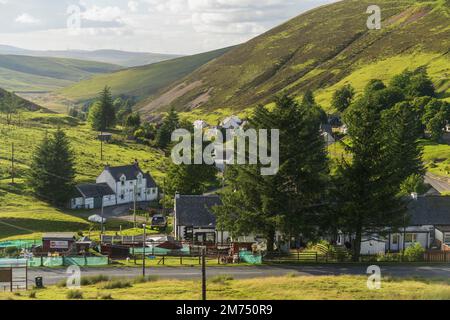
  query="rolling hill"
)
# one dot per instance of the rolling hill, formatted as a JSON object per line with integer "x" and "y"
{"x": 36, "y": 74}
{"x": 122, "y": 58}
{"x": 138, "y": 82}
{"x": 320, "y": 50}
{"x": 25, "y": 104}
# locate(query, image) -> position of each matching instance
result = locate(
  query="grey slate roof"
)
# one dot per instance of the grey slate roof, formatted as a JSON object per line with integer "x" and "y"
{"x": 95, "y": 190}
{"x": 150, "y": 181}
{"x": 130, "y": 171}
{"x": 59, "y": 236}
{"x": 430, "y": 210}
{"x": 196, "y": 210}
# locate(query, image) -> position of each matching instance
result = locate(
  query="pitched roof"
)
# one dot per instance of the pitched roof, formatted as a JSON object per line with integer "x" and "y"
{"x": 196, "y": 210}
{"x": 150, "y": 181}
{"x": 59, "y": 235}
{"x": 130, "y": 171}
{"x": 95, "y": 190}
{"x": 430, "y": 210}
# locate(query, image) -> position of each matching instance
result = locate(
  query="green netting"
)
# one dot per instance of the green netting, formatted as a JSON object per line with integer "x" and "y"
{"x": 67, "y": 261}
{"x": 159, "y": 251}
{"x": 249, "y": 257}
{"x": 21, "y": 244}
{"x": 12, "y": 262}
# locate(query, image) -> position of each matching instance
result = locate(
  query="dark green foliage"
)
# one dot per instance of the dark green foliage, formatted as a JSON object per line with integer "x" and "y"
{"x": 171, "y": 123}
{"x": 290, "y": 201}
{"x": 52, "y": 171}
{"x": 374, "y": 85}
{"x": 383, "y": 144}
{"x": 102, "y": 114}
{"x": 414, "y": 83}
{"x": 414, "y": 183}
{"x": 343, "y": 97}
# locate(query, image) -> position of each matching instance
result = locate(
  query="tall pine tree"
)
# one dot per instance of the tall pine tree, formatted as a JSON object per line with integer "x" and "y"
{"x": 52, "y": 171}
{"x": 102, "y": 114}
{"x": 293, "y": 200}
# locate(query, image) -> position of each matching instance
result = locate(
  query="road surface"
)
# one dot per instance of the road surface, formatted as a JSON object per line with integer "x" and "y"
{"x": 53, "y": 276}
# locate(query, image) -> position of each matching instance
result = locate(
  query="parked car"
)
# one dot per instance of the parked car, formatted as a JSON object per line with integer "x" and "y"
{"x": 159, "y": 221}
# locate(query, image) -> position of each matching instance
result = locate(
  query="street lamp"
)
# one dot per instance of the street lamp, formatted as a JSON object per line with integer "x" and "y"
{"x": 143, "y": 247}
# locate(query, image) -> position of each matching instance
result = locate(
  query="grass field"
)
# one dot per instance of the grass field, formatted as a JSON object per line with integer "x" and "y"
{"x": 24, "y": 216}
{"x": 277, "y": 288}
{"x": 24, "y": 73}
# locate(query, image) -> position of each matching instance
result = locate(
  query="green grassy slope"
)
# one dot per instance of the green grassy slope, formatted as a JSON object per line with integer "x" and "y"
{"x": 317, "y": 50}
{"x": 24, "y": 216}
{"x": 24, "y": 73}
{"x": 138, "y": 82}
{"x": 25, "y": 104}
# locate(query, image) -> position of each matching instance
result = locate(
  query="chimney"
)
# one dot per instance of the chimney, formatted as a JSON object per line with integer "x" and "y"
{"x": 107, "y": 166}
{"x": 177, "y": 195}
{"x": 415, "y": 196}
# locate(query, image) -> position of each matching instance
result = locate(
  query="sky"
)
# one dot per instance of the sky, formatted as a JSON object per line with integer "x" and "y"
{"x": 160, "y": 26}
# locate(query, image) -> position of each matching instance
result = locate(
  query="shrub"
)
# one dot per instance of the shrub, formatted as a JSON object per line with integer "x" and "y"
{"x": 415, "y": 252}
{"x": 74, "y": 294}
{"x": 105, "y": 296}
{"x": 117, "y": 284}
{"x": 32, "y": 295}
{"x": 87, "y": 281}
{"x": 146, "y": 279}
{"x": 222, "y": 278}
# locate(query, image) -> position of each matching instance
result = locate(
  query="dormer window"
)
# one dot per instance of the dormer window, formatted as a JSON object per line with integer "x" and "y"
{"x": 139, "y": 178}
{"x": 122, "y": 180}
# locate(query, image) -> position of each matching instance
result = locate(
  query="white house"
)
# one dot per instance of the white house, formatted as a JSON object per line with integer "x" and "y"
{"x": 200, "y": 124}
{"x": 92, "y": 196}
{"x": 429, "y": 225}
{"x": 114, "y": 186}
{"x": 232, "y": 122}
{"x": 195, "y": 221}
{"x": 129, "y": 183}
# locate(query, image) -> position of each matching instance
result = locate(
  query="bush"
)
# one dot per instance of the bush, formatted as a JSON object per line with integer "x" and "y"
{"x": 74, "y": 294}
{"x": 146, "y": 279}
{"x": 87, "y": 281}
{"x": 389, "y": 257}
{"x": 117, "y": 284}
{"x": 414, "y": 253}
{"x": 32, "y": 295}
{"x": 105, "y": 296}
{"x": 223, "y": 278}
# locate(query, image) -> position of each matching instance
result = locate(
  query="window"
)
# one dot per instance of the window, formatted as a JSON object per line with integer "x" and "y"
{"x": 395, "y": 239}
{"x": 410, "y": 237}
{"x": 447, "y": 238}
{"x": 139, "y": 179}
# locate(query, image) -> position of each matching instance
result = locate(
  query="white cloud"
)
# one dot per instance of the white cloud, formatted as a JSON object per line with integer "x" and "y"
{"x": 26, "y": 18}
{"x": 133, "y": 6}
{"x": 102, "y": 14}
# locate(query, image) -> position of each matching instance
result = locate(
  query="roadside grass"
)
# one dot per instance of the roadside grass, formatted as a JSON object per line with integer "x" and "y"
{"x": 272, "y": 288}
{"x": 24, "y": 216}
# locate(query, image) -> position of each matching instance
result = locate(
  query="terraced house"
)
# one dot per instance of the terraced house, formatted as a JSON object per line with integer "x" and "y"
{"x": 115, "y": 186}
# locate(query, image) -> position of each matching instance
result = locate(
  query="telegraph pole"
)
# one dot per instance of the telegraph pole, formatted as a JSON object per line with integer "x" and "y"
{"x": 12, "y": 163}
{"x": 134, "y": 206}
{"x": 204, "y": 274}
{"x": 143, "y": 247}
{"x": 101, "y": 146}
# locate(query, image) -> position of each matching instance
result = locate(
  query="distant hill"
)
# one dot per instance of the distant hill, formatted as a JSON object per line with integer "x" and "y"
{"x": 138, "y": 82}
{"x": 320, "y": 50}
{"x": 27, "y": 105}
{"x": 122, "y": 58}
{"x": 34, "y": 74}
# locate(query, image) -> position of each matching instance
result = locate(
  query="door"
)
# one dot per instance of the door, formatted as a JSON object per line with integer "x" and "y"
{"x": 395, "y": 242}
{"x": 97, "y": 203}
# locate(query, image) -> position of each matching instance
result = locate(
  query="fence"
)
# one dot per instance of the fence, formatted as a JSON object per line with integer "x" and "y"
{"x": 67, "y": 261}
{"x": 438, "y": 256}
{"x": 20, "y": 244}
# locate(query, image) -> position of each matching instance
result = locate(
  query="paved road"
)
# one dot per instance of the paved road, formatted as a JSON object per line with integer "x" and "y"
{"x": 52, "y": 276}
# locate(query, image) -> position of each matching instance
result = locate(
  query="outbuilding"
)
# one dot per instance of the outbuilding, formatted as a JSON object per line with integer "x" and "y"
{"x": 58, "y": 241}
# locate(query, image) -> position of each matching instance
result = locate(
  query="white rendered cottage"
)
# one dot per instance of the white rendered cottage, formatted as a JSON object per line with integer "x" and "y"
{"x": 115, "y": 186}
{"x": 129, "y": 183}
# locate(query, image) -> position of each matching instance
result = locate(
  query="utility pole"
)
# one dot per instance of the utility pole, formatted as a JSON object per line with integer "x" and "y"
{"x": 143, "y": 247}
{"x": 12, "y": 163}
{"x": 101, "y": 146}
{"x": 102, "y": 218}
{"x": 204, "y": 273}
{"x": 134, "y": 206}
